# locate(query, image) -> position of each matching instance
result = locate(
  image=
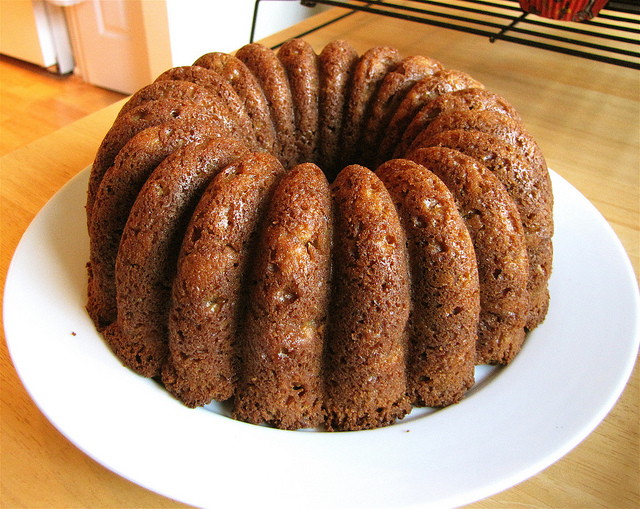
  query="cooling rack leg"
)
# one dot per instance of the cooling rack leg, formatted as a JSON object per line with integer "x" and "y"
{"x": 493, "y": 38}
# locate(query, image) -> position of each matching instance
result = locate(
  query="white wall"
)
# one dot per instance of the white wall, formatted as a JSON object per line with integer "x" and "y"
{"x": 197, "y": 27}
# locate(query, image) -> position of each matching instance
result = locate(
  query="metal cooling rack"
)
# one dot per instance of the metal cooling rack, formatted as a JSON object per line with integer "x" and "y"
{"x": 612, "y": 37}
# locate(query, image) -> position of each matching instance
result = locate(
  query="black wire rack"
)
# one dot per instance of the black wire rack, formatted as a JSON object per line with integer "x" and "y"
{"x": 612, "y": 37}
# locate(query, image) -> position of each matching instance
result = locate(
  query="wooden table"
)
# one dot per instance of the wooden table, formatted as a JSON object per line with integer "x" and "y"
{"x": 585, "y": 116}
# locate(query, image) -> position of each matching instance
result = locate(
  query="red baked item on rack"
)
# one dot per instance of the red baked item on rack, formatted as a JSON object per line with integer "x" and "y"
{"x": 564, "y": 10}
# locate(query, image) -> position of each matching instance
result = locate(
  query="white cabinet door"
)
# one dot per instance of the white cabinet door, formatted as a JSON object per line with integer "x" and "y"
{"x": 25, "y": 33}
{"x": 112, "y": 39}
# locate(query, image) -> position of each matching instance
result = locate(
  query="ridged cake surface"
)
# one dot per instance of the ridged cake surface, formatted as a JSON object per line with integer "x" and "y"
{"x": 321, "y": 240}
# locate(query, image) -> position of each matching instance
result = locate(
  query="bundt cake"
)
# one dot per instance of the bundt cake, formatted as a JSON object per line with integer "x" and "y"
{"x": 320, "y": 240}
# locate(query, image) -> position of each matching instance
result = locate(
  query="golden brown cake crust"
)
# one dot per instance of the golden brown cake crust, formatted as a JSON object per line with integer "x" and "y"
{"x": 271, "y": 75}
{"x": 337, "y": 62}
{"x": 365, "y": 353}
{"x": 389, "y": 95}
{"x": 308, "y": 295}
{"x": 467, "y": 99}
{"x": 301, "y": 64}
{"x": 283, "y": 337}
{"x": 221, "y": 88}
{"x": 115, "y": 197}
{"x": 148, "y": 114}
{"x": 530, "y": 188}
{"x": 367, "y": 76}
{"x": 178, "y": 90}
{"x": 489, "y": 121}
{"x": 248, "y": 90}
{"x": 208, "y": 299}
{"x": 444, "y": 285}
{"x": 148, "y": 253}
{"x": 516, "y": 136}
{"x": 426, "y": 90}
{"x": 212, "y": 104}
{"x": 496, "y": 231}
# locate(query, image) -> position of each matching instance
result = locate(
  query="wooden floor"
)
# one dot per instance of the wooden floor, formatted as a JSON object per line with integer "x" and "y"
{"x": 35, "y": 102}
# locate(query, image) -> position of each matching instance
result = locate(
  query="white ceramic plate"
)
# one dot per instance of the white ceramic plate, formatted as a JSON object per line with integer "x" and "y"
{"x": 514, "y": 423}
